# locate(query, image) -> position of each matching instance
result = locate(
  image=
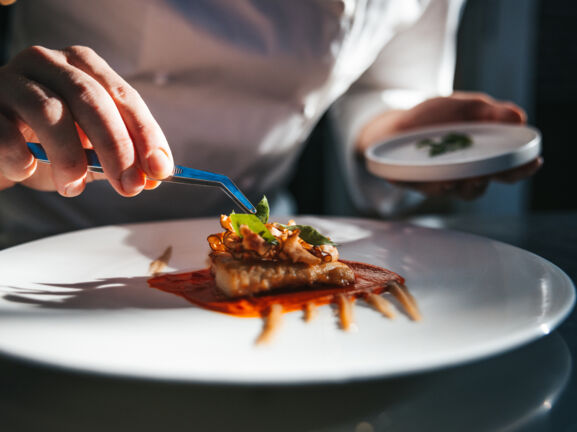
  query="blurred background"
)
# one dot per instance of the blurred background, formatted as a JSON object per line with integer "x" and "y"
{"x": 524, "y": 51}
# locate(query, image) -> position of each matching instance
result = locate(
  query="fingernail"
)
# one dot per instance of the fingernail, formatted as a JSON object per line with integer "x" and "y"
{"x": 132, "y": 180}
{"x": 159, "y": 164}
{"x": 31, "y": 164}
{"x": 151, "y": 184}
{"x": 74, "y": 188}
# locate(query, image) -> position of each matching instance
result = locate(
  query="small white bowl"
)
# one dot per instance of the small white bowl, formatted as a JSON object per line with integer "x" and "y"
{"x": 496, "y": 147}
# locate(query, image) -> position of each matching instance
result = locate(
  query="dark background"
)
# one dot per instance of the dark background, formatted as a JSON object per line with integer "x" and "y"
{"x": 519, "y": 50}
{"x": 555, "y": 105}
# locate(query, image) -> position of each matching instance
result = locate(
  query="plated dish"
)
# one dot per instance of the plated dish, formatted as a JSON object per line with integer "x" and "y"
{"x": 261, "y": 268}
{"x": 476, "y": 149}
{"x": 85, "y": 304}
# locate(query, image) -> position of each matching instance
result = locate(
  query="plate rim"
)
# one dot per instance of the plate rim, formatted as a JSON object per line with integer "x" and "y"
{"x": 525, "y": 337}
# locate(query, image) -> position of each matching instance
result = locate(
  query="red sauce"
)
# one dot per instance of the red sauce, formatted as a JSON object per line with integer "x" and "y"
{"x": 199, "y": 288}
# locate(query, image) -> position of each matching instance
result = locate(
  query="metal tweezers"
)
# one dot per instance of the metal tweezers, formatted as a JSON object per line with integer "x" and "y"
{"x": 180, "y": 174}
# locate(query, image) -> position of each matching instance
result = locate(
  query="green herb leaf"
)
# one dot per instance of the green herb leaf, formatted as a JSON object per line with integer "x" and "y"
{"x": 448, "y": 143}
{"x": 457, "y": 138}
{"x": 425, "y": 143}
{"x": 253, "y": 223}
{"x": 262, "y": 210}
{"x": 256, "y": 223}
{"x": 310, "y": 235}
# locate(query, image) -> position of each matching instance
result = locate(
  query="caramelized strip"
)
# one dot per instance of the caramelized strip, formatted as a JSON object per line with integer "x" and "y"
{"x": 272, "y": 321}
{"x": 406, "y": 300}
{"x": 159, "y": 264}
{"x": 310, "y": 311}
{"x": 381, "y": 304}
{"x": 345, "y": 311}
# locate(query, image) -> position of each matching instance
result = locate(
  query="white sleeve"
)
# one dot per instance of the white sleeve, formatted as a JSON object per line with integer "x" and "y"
{"x": 416, "y": 64}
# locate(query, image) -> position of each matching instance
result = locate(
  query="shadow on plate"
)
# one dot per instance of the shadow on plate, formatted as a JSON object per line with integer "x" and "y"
{"x": 109, "y": 293}
{"x": 514, "y": 391}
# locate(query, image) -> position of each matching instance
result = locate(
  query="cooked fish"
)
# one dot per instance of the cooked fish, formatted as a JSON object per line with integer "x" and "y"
{"x": 239, "y": 277}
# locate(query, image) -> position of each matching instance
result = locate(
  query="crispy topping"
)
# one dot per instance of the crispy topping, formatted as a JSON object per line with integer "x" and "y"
{"x": 289, "y": 245}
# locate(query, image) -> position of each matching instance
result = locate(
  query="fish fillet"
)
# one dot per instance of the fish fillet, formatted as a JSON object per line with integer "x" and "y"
{"x": 238, "y": 278}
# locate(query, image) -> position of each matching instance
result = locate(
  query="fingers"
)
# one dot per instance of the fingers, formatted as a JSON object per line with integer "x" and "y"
{"x": 461, "y": 107}
{"x": 432, "y": 189}
{"x": 508, "y": 112}
{"x": 73, "y": 99}
{"x": 484, "y": 108}
{"x": 519, "y": 173}
{"x": 151, "y": 184}
{"x": 16, "y": 162}
{"x": 468, "y": 189}
{"x": 151, "y": 146}
{"x": 42, "y": 179}
{"x": 52, "y": 122}
{"x": 481, "y": 106}
{"x": 91, "y": 107}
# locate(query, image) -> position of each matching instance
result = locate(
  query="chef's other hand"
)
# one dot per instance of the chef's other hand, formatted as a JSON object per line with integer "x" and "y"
{"x": 459, "y": 107}
{"x": 68, "y": 100}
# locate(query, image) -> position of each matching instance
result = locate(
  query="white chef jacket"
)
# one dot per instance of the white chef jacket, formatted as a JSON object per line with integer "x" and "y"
{"x": 237, "y": 86}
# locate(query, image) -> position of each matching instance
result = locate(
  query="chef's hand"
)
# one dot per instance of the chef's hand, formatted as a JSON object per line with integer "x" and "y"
{"x": 68, "y": 100}
{"x": 459, "y": 107}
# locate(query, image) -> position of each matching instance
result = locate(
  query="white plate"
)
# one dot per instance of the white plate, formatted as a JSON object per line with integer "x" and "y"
{"x": 496, "y": 147}
{"x": 81, "y": 301}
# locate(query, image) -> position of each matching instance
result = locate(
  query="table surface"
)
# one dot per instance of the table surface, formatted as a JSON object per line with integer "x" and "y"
{"x": 529, "y": 389}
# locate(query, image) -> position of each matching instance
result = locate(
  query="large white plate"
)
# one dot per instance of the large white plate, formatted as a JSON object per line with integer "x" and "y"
{"x": 496, "y": 147}
{"x": 81, "y": 301}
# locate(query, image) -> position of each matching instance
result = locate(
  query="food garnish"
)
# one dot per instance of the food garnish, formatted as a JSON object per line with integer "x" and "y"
{"x": 263, "y": 269}
{"x": 159, "y": 264}
{"x": 257, "y": 223}
{"x": 448, "y": 143}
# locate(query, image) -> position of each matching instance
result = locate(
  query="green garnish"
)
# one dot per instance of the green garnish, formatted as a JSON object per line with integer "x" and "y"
{"x": 262, "y": 210}
{"x": 256, "y": 223}
{"x": 310, "y": 235}
{"x": 448, "y": 143}
{"x": 253, "y": 223}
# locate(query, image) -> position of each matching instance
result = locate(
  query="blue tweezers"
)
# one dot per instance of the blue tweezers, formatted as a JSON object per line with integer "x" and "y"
{"x": 180, "y": 174}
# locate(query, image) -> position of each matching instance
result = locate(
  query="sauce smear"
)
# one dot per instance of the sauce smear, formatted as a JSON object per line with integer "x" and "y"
{"x": 199, "y": 288}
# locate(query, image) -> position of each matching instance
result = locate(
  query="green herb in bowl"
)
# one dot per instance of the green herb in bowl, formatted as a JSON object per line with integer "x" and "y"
{"x": 451, "y": 142}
